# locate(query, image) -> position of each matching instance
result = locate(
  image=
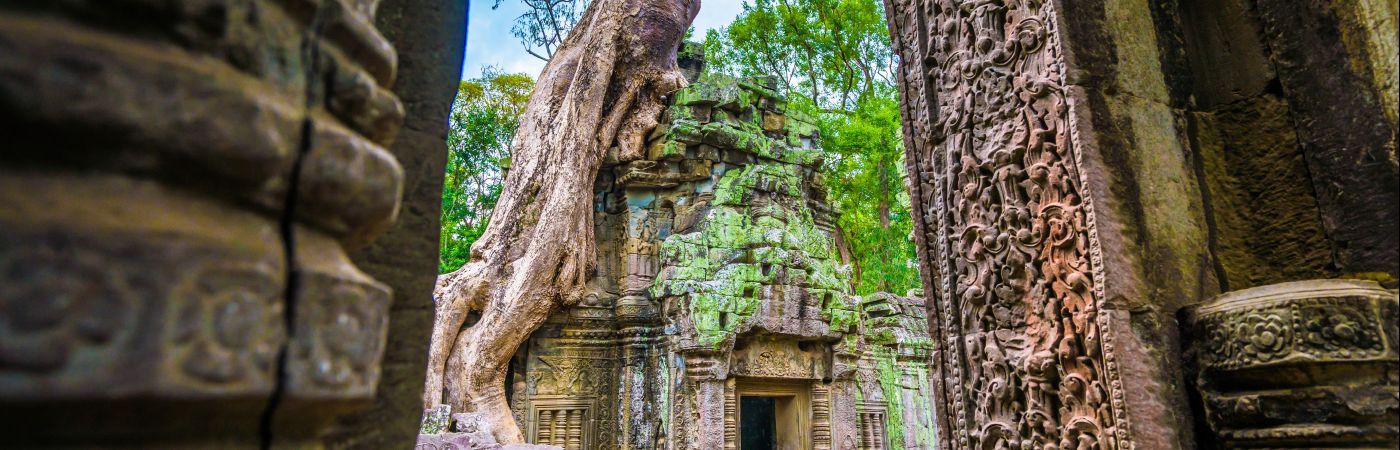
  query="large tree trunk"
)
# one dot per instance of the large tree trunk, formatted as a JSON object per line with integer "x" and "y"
{"x": 604, "y": 86}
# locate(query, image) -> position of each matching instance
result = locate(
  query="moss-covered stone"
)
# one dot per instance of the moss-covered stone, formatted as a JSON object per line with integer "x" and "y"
{"x": 758, "y": 223}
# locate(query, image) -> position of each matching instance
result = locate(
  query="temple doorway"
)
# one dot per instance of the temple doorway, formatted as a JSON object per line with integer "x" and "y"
{"x": 757, "y": 425}
{"x": 774, "y": 415}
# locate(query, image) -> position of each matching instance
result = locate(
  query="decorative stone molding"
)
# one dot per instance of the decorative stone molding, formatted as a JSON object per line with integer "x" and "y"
{"x": 565, "y": 422}
{"x": 1300, "y": 364}
{"x": 870, "y": 424}
{"x": 177, "y": 207}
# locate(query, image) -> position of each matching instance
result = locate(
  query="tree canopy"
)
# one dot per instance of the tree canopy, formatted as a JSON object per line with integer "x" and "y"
{"x": 483, "y": 121}
{"x": 545, "y": 24}
{"x": 835, "y": 53}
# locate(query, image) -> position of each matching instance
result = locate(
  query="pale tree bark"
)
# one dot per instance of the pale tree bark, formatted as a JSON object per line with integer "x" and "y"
{"x": 604, "y": 86}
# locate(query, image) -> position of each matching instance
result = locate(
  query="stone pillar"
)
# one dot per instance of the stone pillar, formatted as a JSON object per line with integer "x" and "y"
{"x": 1056, "y": 219}
{"x": 842, "y": 413}
{"x": 430, "y": 38}
{"x": 821, "y": 416}
{"x": 731, "y": 414}
{"x": 638, "y": 409}
{"x": 180, "y": 190}
{"x": 1303, "y": 364}
{"x": 705, "y": 373}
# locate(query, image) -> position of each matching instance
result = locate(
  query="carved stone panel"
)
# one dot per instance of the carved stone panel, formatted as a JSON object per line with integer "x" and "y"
{"x": 870, "y": 421}
{"x": 768, "y": 358}
{"x": 1007, "y": 227}
{"x": 565, "y": 422}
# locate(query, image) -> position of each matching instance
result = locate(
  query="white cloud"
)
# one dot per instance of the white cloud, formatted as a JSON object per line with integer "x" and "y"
{"x": 489, "y": 42}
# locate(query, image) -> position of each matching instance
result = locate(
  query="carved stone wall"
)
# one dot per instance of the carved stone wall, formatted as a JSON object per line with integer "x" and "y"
{"x": 1083, "y": 169}
{"x": 895, "y": 401}
{"x": 180, "y": 192}
{"x": 1014, "y": 264}
{"x": 566, "y": 386}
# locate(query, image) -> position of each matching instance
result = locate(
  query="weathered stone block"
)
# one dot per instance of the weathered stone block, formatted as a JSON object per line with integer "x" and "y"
{"x": 187, "y": 182}
{"x": 436, "y": 419}
{"x": 1299, "y": 364}
{"x": 773, "y": 122}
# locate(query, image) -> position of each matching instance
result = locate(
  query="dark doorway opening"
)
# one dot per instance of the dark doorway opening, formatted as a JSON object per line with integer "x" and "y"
{"x": 757, "y": 425}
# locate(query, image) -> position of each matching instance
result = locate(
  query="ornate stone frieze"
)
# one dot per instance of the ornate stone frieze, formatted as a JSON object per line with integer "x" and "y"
{"x": 766, "y": 358}
{"x": 1299, "y": 364}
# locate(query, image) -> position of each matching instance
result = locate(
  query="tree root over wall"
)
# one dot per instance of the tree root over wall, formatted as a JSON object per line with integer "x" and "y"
{"x": 604, "y": 87}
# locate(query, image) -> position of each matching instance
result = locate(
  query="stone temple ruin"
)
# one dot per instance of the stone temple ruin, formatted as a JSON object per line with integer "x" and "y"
{"x": 720, "y": 313}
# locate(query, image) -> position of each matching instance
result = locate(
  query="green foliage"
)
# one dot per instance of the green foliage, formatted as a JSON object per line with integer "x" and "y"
{"x": 832, "y": 52}
{"x": 483, "y": 121}
{"x": 865, "y": 172}
{"x": 833, "y": 59}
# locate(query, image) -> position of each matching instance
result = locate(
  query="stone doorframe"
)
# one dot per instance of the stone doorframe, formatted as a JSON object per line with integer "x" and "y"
{"x": 798, "y": 415}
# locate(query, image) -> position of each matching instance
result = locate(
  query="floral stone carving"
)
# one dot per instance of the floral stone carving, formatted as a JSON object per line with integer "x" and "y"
{"x": 1300, "y": 364}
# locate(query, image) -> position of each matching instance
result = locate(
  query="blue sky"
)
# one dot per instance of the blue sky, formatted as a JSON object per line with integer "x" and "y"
{"x": 489, "y": 42}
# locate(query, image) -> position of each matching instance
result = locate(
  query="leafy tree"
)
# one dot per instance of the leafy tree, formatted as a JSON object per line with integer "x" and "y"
{"x": 835, "y": 53}
{"x": 483, "y": 121}
{"x": 834, "y": 59}
{"x": 545, "y": 24}
{"x": 866, "y": 156}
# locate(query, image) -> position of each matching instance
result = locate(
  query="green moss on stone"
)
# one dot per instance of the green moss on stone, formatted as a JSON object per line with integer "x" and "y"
{"x": 888, "y": 373}
{"x": 720, "y": 267}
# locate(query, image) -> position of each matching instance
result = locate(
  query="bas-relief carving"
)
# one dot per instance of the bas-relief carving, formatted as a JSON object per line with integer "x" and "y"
{"x": 1299, "y": 364}
{"x": 567, "y": 385}
{"x": 1027, "y": 361}
{"x": 767, "y": 358}
{"x": 225, "y": 326}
